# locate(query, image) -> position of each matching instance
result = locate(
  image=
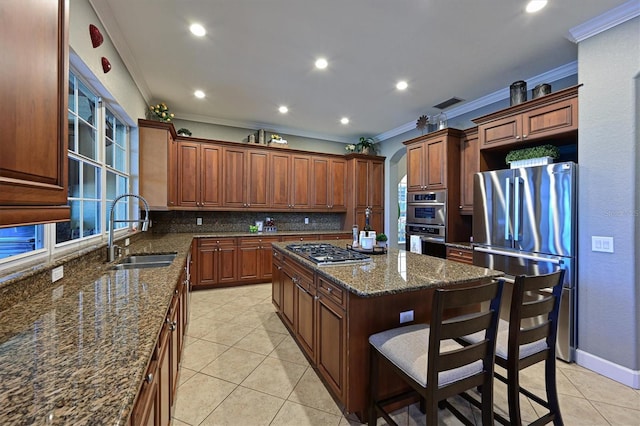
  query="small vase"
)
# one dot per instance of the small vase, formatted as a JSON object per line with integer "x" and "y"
{"x": 365, "y": 150}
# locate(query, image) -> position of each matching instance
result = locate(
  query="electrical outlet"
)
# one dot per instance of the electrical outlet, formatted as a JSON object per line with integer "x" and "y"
{"x": 406, "y": 316}
{"x": 603, "y": 244}
{"x": 198, "y": 221}
{"x": 306, "y": 220}
{"x": 126, "y": 242}
{"x": 57, "y": 274}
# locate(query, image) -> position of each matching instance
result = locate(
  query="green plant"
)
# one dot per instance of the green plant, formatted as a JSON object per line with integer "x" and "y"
{"x": 366, "y": 143}
{"x": 381, "y": 237}
{"x": 533, "y": 152}
{"x": 184, "y": 131}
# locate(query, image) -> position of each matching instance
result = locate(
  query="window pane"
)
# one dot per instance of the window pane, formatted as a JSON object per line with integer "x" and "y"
{"x": 91, "y": 218}
{"x": 66, "y": 231}
{"x": 123, "y": 185}
{"x": 119, "y": 213}
{"x": 72, "y": 92}
{"x": 112, "y": 189}
{"x": 90, "y": 181}
{"x": 121, "y": 159}
{"x": 72, "y": 132}
{"x": 86, "y": 104}
{"x": 108, "y": 152}
{"x": 20, "y": 239}
{"x": 74, "y": 178}
{"x": 87, "y": 140}
{"x": 109, "y": 123}
{"x": 121, "y": 134}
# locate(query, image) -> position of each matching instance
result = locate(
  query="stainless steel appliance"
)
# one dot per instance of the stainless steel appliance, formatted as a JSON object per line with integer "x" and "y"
{"x": 427, "y": 208}
{"x": 432, "y": 239}
{"x": 328, "y": 254}
{"x": 524, "y": 222}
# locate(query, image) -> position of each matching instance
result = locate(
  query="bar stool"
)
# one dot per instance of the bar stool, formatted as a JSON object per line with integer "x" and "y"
{"x": 428, "y": 359}
{"x": 522, "y": 345}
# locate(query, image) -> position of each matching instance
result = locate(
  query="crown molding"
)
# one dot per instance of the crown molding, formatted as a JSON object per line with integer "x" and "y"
{"x": 553, "y": 75}
{"x": 607, "y": 20}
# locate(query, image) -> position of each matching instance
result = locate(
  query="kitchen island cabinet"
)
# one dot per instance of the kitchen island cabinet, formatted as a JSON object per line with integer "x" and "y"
{"x": 33, "y": 152}
{"x": 351, "y": 302}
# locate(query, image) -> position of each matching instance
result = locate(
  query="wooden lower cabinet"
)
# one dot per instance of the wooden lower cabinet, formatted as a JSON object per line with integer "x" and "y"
{"x": 217, "y": 261}
{"x": 254, "y": 263}
{"x": 331, "y": 344}
{"x": 460, "y": 255}
{"x": 156, "y": 398}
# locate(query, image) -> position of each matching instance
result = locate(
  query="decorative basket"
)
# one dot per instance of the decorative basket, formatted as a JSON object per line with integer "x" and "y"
{"x": 540, "y": 161}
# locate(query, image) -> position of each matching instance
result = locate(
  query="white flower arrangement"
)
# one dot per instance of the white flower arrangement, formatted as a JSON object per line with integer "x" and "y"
{"x": 350, "y": 148}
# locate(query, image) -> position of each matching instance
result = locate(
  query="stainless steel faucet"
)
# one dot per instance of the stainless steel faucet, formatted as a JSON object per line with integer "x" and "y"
{"x": 111, "y": 247}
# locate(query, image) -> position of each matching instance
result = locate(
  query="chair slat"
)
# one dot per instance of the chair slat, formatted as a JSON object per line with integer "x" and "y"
{"x": 463, "y": 356}
{"x": 537, "y": 307}
{"x": 533, "y": 334}
{"x": 462, "y": 326}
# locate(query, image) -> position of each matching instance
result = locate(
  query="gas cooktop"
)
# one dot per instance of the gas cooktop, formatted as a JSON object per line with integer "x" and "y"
{"x": 327, "y": 254}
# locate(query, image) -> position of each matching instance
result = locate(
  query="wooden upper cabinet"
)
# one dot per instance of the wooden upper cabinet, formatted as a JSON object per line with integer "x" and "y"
{"x": 234, "y": 175}
{"x": 34, "y": 90}
{"x": 366, "y": 175}
{"x": 543, "y": 118}
{"x": 427, "y": 159}
{"x": 245, "y": 178}
{"x": 198, "y": 169}
{"x": 469, "y": 165}
{"x": 158, "y": 164}
{"x": 258, "y": 178}
{"x": 338, "y": 183}
{"x": 301, "y": 181}
{"x": 416, "y": 164}
{"x": 329, "y": 183}
{"x": 280, "y": 180}
{"x": 320, "y": 176}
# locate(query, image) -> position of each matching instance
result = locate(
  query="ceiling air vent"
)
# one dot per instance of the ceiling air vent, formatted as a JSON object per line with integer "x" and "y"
{"x": 448, "y": 103}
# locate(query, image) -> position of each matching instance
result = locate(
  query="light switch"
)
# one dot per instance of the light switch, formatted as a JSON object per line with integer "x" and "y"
{"x": 199, "y": 221}
{"x": 406, "y": 316}
{"x": 602, "y": 244}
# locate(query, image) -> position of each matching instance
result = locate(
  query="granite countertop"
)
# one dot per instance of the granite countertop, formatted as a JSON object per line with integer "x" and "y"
{"x": 77, "y": 353}
{"x": 464, "y": 245}
{"x": 395, "y": 272}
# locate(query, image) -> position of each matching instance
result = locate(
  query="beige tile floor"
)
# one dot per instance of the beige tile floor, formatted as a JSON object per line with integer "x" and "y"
{"x": 241, "y": 367}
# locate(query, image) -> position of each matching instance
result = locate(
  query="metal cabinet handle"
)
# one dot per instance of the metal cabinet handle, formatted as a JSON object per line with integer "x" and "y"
{"x": 524, "y": 136}
{"x": 517, "y": 137}
{"x": 302, "y": 289}
{"x": 149, "y": 378}
{"x": 329, "y": 289}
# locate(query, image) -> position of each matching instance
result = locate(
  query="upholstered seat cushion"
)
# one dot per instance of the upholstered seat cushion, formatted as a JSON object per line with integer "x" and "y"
{"x": 502, "y": 342}
{"x": 407, "y": 348}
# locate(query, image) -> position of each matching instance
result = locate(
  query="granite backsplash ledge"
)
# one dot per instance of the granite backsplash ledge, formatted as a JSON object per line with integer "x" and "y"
{"x": 186, "y": 221}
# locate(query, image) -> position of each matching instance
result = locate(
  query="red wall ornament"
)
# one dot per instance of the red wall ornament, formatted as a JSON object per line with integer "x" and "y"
{"x": 96, "y": 36}
{"x": 106, "y": 65}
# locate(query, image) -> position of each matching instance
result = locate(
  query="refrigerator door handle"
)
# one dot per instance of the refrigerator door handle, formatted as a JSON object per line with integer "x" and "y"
{"x": 517, "y": 211}
{"x": 520, "y": 256}
{"x": 507, "y": 209}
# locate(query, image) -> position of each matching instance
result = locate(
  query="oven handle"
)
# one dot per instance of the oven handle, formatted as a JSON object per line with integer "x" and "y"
{"x": 432, "y": 239}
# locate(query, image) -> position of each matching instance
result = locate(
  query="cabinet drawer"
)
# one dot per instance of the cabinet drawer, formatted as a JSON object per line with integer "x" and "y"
{"x": 300, "y": 238}
{"x": 343, "y": 236}
{"x": 257, "y": 241}
{"x": 460, "y": 255}
{"x": 332, "y": 291}
{"x": 214, "y": 242}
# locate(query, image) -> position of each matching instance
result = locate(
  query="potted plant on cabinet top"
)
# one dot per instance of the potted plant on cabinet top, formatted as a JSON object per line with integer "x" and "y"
{"x": 184, "y": 132}
{"x": 366, "y": 146}
{"x": 533, "y": 156}
{"x": 381, "y": 238}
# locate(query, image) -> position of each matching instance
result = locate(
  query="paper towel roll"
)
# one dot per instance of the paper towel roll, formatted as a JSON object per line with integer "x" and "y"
{"x": 415, "y": 243}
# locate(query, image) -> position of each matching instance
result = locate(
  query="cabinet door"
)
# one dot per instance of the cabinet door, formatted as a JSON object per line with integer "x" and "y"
{"x": 276, "y": 282}
{"x": 188, "y": 174}
{"x": 265, "y": 258}
{"x": 257, "y": 183}
{"x": 331, "y": 347}
{"x": 500, "y": 132}
{"x": 376, "y": 219}
{"x": 210, "y": 182}
{"x": 164, "y": 376}
{"x": 304, "y": 320}
{"x": 320, "y": 177}
{"x": 436, "y": 164}
{"x": 469, "y": 165}
{"x": 171, "y": 171}
{"x": 227, "y": 262}
{"x": 361, "y": 183}
{"x": 249, "y": 255}
{"x": 234, "y": 174}
{"x": 174, "y": 343}
{"x": 156, "y": 145}
{"x": 35, "y": 75}
{"x": 416, "y": 162}
{"x": 206, "y": 263}
{"x": 338, "y": 184}
{"x": 376, "y": 185}
{"x": 280, "y": 180}
{"x": 288, "y": 296}
{"x": 557, "y": 118}
{"x": 301, "y": 173}
{"x": 144, "y": 412}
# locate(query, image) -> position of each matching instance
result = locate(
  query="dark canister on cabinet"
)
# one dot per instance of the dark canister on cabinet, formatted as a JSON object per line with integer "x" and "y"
{"x": 518, "y": 91}
{"x": 540, "y": 90}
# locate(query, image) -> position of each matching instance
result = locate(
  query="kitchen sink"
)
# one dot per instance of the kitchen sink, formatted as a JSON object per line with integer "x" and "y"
{"x": 140, "y": 261}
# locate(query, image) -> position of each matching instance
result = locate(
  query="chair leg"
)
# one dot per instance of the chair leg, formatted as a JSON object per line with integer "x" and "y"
{"x": 373, "y": 386}
{"x": 431, "y": 411}
{"x": 552, "y": 391}
{"x": 486, "y": 397}
{"x": 513, "y": 394}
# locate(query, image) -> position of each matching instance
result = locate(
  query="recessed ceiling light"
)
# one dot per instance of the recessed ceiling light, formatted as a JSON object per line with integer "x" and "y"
{"x": 535, "y": 5}
{"x": 402, "y": 85}
{"x": 283, "y": 109}
{"x": 344, "y": 120}
{"x": 321, "y": 63}
{"x": 197, "y": 30}
{"x": 198, "y": 94}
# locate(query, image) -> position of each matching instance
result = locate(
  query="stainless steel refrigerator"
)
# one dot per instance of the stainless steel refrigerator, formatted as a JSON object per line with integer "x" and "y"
{"x": 525, "y": 222}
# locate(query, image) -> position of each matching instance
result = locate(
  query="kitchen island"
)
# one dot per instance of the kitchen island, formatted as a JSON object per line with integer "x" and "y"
{"x": 332, "y": 310}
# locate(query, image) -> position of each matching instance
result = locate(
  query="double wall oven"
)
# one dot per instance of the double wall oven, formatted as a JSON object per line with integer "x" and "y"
{"x": 426, "y": 220}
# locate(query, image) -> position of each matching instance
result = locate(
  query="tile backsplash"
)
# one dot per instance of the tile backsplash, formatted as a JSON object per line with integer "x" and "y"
{"x": 186, "y": 221}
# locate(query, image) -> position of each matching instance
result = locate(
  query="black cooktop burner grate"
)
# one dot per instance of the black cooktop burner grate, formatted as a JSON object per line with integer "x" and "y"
{"x": 327, "y": 254}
